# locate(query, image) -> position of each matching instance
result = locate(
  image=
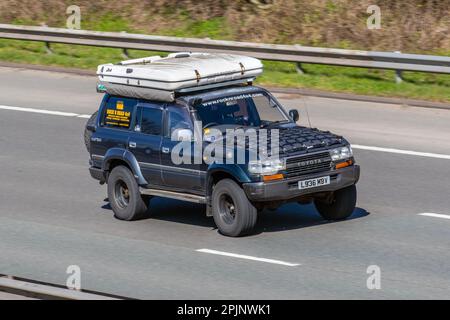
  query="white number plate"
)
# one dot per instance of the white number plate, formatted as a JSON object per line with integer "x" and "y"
{"x": 312, "y": 183}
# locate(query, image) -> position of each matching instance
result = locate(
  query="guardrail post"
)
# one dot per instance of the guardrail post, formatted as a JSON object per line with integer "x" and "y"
{"x": 125, "y": 53}
{"x": 298, "y": 65}
{"x": 299, "y": 68}
{"x": 398, "y": 76}
{"x": 124, "y": 50}
{"x": 48, "y": 49}
{"x": 398, "y": 73}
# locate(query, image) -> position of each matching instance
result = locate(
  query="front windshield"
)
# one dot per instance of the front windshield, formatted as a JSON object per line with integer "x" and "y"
{"x": 255, "y": 109}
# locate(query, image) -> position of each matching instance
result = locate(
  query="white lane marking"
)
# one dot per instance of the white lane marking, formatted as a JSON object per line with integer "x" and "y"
{"x": 56, "y": 113}
{"x": 354, "y": 146}
{"x": 43, "y": 111}
{"x": 241, "y": 256}
{"x": 399, "y": 151}
{"x": 435, "y": 215}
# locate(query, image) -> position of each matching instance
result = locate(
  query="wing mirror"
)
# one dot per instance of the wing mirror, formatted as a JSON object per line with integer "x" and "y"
{"x": 182, "y": 135}
{"x": 294, "y": 115}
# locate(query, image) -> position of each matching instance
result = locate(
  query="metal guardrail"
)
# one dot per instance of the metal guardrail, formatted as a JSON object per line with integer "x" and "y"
{"x": 291, "y": 53}
{"x": 32, "y": 289}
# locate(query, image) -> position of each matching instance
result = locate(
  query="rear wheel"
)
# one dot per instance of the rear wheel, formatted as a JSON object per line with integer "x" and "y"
{"x": 341, "y": 205}
{"x": 124, "y": 196}
{"x": 233, "y": 213}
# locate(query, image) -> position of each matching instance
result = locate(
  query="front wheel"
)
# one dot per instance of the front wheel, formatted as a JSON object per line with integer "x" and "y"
{"x": 233, "y": 213}
{"x": 340, "y": 207}
{"x": 124, "y": 196}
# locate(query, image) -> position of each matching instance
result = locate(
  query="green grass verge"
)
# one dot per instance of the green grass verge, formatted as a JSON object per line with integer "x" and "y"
{"x": 431, "y": 87}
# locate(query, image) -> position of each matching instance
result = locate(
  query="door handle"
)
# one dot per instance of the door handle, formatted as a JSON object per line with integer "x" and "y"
{"x": 165, "y": 150}
{"x": 132, "y": 144}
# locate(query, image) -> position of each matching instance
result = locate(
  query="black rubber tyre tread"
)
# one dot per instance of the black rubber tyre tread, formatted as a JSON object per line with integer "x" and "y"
{"x": 246, "y": 214}
{"x": 137, "y": 206}
{"x": 342, "y": 206}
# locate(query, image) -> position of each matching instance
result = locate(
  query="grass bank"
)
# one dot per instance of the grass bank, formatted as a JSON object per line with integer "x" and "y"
{"x": 337, "y": 79}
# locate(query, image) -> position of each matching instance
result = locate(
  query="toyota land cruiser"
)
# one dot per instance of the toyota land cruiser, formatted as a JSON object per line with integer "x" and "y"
{"x": 131, "y": 144}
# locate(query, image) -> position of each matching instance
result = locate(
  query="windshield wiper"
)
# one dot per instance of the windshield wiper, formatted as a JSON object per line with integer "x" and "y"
{"x": 267, "y": 124}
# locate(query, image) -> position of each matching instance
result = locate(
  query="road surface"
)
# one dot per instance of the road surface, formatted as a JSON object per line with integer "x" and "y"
{"x": 53, "y": 215}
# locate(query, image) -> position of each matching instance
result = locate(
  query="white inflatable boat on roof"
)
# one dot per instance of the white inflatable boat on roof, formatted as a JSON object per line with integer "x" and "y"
{"x": 160, "y": 78}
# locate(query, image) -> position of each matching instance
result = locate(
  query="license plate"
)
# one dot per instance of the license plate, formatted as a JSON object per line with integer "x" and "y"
{"x": 312, "y": 183}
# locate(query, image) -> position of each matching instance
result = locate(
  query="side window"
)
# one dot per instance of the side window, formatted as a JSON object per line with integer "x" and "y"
{"x": 118, "y": 113}
{"x": 150, "y": 120}
{"x": 178, "y": 118}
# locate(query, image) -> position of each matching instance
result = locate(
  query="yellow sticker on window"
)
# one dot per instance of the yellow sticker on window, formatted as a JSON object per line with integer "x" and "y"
{"x": 118, "y": 118}
{"x": 119, "y": 105}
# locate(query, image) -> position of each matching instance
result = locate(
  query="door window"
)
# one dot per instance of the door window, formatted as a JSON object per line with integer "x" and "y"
{"x": 118, "y": 113}
{"x": 178, "y": 118}
{"x": 149, "y": 120}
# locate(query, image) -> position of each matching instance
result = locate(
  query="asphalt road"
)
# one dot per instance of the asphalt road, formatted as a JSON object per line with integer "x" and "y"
{"x": 52, "y": 214}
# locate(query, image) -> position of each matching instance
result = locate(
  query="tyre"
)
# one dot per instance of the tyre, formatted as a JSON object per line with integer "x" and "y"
{"x": 233, "y": 213}
{"x": 341, "y": 206}
{"x": 124, "y": 196}
{"x": 88, "y": 133}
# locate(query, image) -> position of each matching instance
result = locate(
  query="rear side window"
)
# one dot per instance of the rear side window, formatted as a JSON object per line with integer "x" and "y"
{"x": 118, "y": 113}
{"x": 149, "y": 120}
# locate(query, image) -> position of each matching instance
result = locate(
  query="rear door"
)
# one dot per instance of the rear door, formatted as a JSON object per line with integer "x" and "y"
{"x": 114, "y": 126}
{"x": 145, "y": 140}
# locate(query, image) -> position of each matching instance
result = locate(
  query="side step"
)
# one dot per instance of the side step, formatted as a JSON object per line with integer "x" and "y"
{"x": 173, "y": 195}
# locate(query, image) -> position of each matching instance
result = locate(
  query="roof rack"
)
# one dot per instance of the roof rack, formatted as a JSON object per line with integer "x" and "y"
{"x": 157, "y": 78}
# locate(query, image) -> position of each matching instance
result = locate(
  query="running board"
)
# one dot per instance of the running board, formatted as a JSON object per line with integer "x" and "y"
{"x": 173, "y": 195}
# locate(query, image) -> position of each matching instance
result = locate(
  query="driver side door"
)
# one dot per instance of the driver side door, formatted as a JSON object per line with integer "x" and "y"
{"x": 185, "y": 176}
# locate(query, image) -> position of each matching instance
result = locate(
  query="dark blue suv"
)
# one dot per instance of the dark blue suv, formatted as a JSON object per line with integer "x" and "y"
{"x": 133, "y": 144}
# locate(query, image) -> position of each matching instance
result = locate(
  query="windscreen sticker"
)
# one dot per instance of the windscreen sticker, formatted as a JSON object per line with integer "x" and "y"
{"x": 231, "y": 99}
{"x": 118, "y": 117}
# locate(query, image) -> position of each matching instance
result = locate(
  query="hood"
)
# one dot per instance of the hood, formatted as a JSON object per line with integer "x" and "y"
{"x": 292, "y": 139}
{"x": 303, "y": 139}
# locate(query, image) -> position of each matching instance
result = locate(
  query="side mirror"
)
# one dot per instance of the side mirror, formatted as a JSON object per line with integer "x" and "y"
{"x": 294, "y": 115}
{"x": 182, "y": 135}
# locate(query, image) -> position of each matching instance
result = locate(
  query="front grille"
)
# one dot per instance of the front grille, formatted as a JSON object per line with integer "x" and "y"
{"x": 309, "y": 163}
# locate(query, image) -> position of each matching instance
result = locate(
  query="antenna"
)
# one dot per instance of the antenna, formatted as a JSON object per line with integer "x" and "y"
{"x": 307, "y": 111}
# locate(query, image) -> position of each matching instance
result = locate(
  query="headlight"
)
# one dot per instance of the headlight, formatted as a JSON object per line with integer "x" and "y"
{"x": 341, "y": 153}
{"x": 265, "y": 166}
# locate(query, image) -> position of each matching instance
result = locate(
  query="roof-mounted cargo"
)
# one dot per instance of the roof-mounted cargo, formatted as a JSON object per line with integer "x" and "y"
{"x": 157, "y": 78}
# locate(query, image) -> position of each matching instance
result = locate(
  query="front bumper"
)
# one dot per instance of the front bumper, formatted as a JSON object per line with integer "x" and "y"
{"x": 287, "y": 189}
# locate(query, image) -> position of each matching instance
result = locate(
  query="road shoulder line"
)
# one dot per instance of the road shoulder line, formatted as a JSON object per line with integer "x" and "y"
{"x": 435, "y": 215}
{"x": 241, "y": 256}
{"x": 401, "y": 151}
{"x": 354, "y": 146}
